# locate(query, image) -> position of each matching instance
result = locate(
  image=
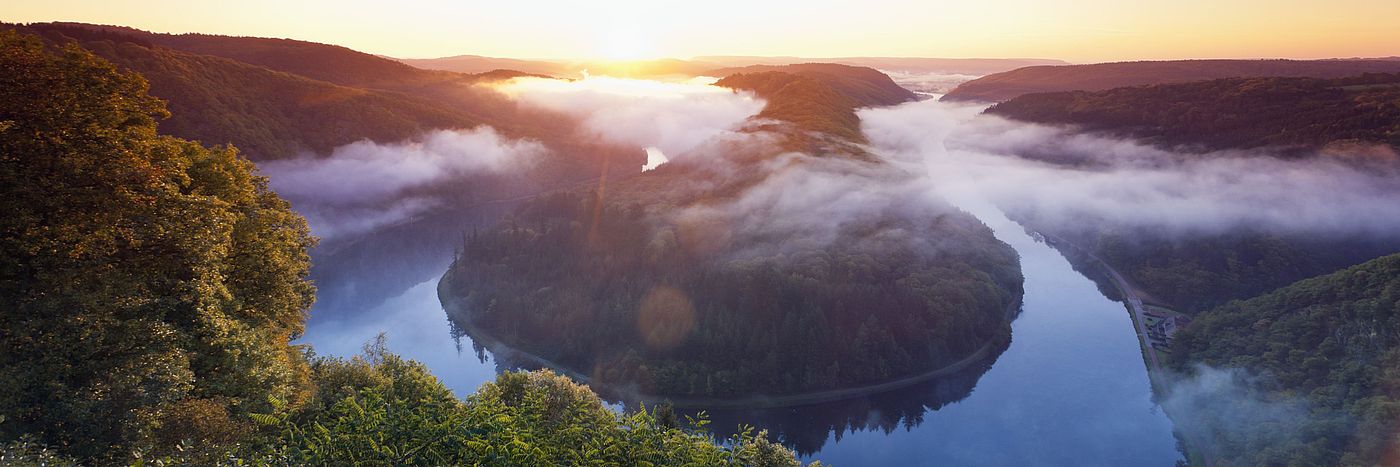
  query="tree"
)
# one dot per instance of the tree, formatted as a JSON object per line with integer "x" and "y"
{"x": 150, "y": 286}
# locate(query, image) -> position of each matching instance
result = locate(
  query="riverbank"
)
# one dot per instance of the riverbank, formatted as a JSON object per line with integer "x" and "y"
{"x": 1138, "y": 312}
{"x": 505, "y": 353}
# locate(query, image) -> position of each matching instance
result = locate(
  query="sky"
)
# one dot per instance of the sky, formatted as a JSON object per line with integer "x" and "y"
{"x": 1077, "y": 31}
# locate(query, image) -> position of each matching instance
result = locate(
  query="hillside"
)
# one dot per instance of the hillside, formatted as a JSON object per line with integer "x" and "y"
{"x": 273, "y": 113}
{"x": 816, "y": 103}
{"x": 1331, "y": 342}
{"x": 1236, "y": 113}
{"x": 1194, "y": 273}
{"x": 269, "y": 114}
{"x": 1001, "y": 87}
{"x": 322, "y": 62}
{"x": 867, "y": 87}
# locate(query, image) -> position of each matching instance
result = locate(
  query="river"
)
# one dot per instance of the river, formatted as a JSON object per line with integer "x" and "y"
{"x": 1071, "y": 388}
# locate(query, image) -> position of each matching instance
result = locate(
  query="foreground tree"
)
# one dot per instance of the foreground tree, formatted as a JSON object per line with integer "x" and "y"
{"x": 149, "y": 285}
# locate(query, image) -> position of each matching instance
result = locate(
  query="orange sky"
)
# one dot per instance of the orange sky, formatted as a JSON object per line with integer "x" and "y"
{"x": 1080, "y": 31}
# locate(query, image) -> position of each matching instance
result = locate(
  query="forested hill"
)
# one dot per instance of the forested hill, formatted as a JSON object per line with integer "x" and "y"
{"x": 868, "y": 87}
{"x": 1333, "y": 342}
{"x": 1001, "y": 87}
{"x": 680, "y": 283}
{"x": 1287, "y": 113}
{"x": 271, "y": 111}
{"x": 818, "y": 100}
{"x": 324, "y": 62}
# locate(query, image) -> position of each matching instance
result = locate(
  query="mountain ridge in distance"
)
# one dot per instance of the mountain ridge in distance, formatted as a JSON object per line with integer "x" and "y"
{"x": 1003, "y": 86}
{"x": 966, "y": 66}
{"x": 1290, "y": 115}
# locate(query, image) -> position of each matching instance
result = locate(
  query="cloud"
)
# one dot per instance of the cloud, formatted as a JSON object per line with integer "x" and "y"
{"x": 1065, "y": 177}
{"x": 674, "y": 117}
{"x": 928, "y": 83}
{"x": 364, "y": 185}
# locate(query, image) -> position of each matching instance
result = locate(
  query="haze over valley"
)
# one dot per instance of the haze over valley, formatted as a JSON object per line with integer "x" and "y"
{"x": 221, "y": 248}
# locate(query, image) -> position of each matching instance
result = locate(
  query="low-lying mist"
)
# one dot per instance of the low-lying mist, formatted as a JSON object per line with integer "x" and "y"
{"x": 364, "y": 185}
{"x": 1065, "y": 178}
{"x": 674, "y": 117}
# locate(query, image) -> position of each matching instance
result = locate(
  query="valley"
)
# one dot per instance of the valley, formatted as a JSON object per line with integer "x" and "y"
{"x": 238, "y": 250}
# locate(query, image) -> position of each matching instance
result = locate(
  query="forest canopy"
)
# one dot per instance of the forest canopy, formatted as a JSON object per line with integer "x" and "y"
{"x": 1331, "y": 343}
{"x": 151, "y": 284}
{"x": 630, "y": 299}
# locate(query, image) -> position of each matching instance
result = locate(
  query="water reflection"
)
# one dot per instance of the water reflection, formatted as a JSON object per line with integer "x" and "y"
{"x": 1069, "y": 389}
{"x": 806, "y": 429}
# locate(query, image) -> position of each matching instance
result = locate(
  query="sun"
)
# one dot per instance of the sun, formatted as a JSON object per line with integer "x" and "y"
{"x": 626, "y": 42}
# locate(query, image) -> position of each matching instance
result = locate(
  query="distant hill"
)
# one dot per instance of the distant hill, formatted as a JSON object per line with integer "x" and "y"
{"x": 868, "y": 87}
{"x": 1288, "y": 113}
{"x": 566, "y": 68}
{"x": 478, "y": 64}
{"x": 963, "y": 66}
{"x": 700, "y": 65}
{"x": 1333, "y": 342}
{"x": 818, "y": 99}
{"x": 1101, "y": 76}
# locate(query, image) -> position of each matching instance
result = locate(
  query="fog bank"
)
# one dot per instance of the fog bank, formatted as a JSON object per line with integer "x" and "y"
{"x": 1066, "y": 178}
{"x": 364, "y": 185}
{"x": 674, "y": 117}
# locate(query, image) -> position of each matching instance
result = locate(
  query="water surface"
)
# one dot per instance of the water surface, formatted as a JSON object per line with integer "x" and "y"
{"x": 1071, "y": 388}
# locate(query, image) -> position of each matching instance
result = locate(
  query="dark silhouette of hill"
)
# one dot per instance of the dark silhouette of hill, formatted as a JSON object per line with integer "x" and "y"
{"x": 1000, "y": 87}
{"x": 1289, "y": 113}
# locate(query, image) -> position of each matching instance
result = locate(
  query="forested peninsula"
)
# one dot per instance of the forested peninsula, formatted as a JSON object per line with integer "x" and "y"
{"x": 656, "y": 286}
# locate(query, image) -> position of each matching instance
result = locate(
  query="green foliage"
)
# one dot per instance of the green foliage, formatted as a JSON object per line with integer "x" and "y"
{"x": 631, "y": 298}
{"x": 150, "y": 284}
{"x": 378, "y": 409}
{"x": 1303, "y": 113}
{"x": 1332, "y": 340}
{"x": 25, "y": 452}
